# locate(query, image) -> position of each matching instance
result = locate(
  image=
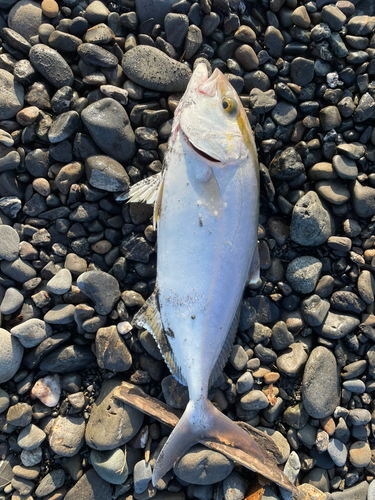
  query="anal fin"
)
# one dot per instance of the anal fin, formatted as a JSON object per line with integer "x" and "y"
{"x": 149, "y": 317}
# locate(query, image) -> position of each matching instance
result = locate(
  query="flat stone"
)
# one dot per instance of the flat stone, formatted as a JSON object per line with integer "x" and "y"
{"x": 103, "y": 172}
{"x": 111, "y": 351}
{"x": 110, "y": 465}
{"x": 32, "y": 332}
{"x": 9, "y": 243}
{"x": 60, "y": 283}
{"x": 203, "y": 466}
{"x": 333, "y": 191}
{"x": 11, "y": 353}
{"x": 12, "y": 301}
{"x": 62, "y": 314}
{"x": 11, "y": 95}
{"x": 293, "y": 359}
{"x": 66, "y": 436}
{"x": 321, "y": 383}
{"x": 337, "y": 325}
{"x": 67, "y": 359}
{"x": 90, "y": 487}
{"x": 109, "y": 127}
{"x": 151, "y": 68}
{"x": 112, "y": 423}
{"x": 31, "y": 437}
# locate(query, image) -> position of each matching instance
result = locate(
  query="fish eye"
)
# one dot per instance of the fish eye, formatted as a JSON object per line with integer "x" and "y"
{"x": 229, "y": 105}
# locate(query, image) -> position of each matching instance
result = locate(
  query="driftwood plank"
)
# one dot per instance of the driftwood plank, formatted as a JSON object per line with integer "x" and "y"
{"x": 135, "y": 397}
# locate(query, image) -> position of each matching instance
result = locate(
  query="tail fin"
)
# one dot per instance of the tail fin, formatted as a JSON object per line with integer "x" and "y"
{"x": 202, "y": 421}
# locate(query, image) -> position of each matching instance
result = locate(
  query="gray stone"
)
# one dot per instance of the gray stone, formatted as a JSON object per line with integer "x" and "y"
{"x": 11, "y": 95}
{"x": 103, "y": 172}
{"x": 68, "y": 359}
{"x": 90, "y": 487}
{"x": 154, "y": 70}
{"x": 314, "y": 310}
{"x": 111, "y": 351}
{"x": 110, "y": 465}
{"x": 18, "y": 270}
{"x": 67, "y": 435}
{"x": 141, "y": 476}
{"x": 321, "y": 383}
{"x": 175, "y": 394}
{"x": 51, "y": 482}
{"x": 62, "y": 314}
{"x": 31, "y": 437}
{"x": 112, "y": 423}
{"x": 234, "y": 487}
{"x": 102, "y": 288}
{"x": 109, "y": 127}
{"x": 338, "y": 452}
{"x": 357, "y": 492}
{"x": 312, "y": 224}
{"x": 11, "y": 353}
{"x": 12, "y": 301}
{"x": 337, "y": 325}
{"x": 292, "y": 360}
{"x": 51, "y": 65}
{"x": 363, "y": 199}
{"x": 32, "y": 332}
{"x": 303, "y": 273}
{"x": 25, "y": 17}
{"x": 203, "y": 466}
{"x": 60, "y": 283}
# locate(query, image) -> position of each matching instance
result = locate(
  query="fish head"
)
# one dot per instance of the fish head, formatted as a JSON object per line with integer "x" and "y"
{"x": 211, "y": 116}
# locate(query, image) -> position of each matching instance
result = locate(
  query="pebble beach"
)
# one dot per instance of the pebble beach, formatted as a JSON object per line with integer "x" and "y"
{"x": 87, "y": 96}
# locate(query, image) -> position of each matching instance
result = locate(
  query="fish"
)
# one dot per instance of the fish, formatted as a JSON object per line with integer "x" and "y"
{"x": 206, "y": 206}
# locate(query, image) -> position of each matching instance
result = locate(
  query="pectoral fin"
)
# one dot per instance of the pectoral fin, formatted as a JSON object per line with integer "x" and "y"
{"x": 149, "y": 317}
{"x": 209, "y": 193}
{"x": 145, "y": 191}
{"x": 254, "y": 273}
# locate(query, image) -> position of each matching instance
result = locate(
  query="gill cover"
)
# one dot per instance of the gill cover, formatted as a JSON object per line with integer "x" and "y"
{"x": 212, "y": 117}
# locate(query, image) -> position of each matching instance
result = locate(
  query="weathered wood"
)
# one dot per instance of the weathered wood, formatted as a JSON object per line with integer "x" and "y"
{"x": 135, "y": 397}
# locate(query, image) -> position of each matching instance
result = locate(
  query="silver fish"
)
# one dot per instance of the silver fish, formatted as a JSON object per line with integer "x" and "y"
{"x": 206, "y": 211}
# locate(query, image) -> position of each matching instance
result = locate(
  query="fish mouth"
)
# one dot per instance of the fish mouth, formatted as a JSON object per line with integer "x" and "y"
{"x": 199, "y": 151}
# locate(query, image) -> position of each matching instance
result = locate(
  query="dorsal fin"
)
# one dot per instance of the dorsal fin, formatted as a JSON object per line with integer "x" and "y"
{"x": 149, "y": 317}
{"x": 227, "y": 347}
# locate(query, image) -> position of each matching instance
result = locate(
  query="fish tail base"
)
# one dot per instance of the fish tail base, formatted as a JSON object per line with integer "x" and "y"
{"x": 201, "y": 422}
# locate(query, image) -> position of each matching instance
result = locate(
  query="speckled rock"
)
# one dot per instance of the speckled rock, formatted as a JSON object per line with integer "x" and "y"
{"x": 321, "y": 384}
{"x": 154, "y": 70}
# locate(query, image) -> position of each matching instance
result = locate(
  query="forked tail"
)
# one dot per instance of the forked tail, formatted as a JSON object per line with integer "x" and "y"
{"x": 200, "y": 421}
